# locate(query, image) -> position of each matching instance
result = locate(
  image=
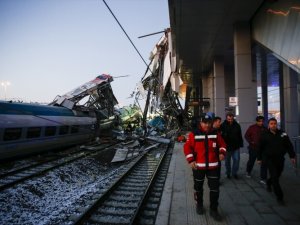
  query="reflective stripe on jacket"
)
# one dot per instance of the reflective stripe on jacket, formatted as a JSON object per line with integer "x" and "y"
{"x": 204, "y": 148}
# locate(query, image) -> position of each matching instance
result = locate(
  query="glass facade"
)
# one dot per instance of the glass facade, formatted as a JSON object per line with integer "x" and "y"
{"x": 276, "y": 26}
{"x": 268, "y": 85}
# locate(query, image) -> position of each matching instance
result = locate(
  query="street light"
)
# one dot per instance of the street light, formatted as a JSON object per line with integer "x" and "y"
{"x": 5, "y": 84}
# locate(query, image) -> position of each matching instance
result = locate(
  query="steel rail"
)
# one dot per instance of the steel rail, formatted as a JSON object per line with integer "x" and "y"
{"x": 137, "y": 177}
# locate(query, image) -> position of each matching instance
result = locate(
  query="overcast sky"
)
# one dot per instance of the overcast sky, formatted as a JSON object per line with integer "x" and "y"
{"x": 49, "y": 47}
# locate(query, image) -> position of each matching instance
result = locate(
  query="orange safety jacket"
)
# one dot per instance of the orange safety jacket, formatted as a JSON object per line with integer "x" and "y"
{"x": 204, "y": 148}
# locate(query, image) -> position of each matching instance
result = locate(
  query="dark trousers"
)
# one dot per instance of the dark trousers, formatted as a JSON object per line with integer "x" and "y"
{"x": 220, "y": 166}
{"x": 275, "y": 167}
{"x": 213, "y": 184}
{"x": 251, "y": 162}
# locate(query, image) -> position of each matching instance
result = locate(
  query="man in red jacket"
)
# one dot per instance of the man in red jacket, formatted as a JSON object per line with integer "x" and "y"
{"x": 252, "y": 136}
{"x": 203, "y": 150}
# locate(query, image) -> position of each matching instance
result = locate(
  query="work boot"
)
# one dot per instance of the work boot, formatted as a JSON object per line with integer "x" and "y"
{"x": 199, "y": 209}
{"x": 215, "y": 214}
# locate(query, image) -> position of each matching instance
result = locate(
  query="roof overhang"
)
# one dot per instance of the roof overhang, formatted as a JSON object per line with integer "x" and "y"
{"x": 203, "y": 30}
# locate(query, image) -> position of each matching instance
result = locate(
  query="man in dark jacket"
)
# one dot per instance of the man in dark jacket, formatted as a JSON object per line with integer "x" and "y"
{"x": 273, "y": 146}
{"x": 232, "y": 134}
{"x": 252, "y": 136}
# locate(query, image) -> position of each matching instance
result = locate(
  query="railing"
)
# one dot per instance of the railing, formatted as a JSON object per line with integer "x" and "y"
{"x": 296, "y": 143}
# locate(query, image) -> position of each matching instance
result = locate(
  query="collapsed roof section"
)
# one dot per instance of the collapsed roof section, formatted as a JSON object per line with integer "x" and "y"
{"x": 95, "y": 95}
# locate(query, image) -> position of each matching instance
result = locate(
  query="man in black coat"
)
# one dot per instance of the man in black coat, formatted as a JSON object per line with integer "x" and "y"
{"x": 274, "y": 145}
{"x": 232, "y": 134}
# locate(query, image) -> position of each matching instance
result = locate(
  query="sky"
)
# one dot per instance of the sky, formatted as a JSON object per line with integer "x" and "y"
{"x": 49, "y": 47}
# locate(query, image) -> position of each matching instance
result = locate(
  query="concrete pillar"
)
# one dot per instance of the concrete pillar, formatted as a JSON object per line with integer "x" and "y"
{"x": 219, "y": 88}
{"x": 264, "y": 87}
{"x": 245, "y": 85}
{"x": 290, "y": 101}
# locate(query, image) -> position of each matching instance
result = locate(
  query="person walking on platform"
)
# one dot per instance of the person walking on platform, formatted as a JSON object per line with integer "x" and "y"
{"x": 216, "y": 125}
{"x": 232, "y": 134}
{"x": 273, "y": 146}
{"x": 201, "y": 153}
{"x": 217, "y": 121}
{"x": 252, "y": 136}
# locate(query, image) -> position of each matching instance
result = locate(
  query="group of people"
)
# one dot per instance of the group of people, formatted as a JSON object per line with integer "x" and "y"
{"x": 212, "y": 141}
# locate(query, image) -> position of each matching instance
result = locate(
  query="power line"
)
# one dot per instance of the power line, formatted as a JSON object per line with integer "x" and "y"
{"x": 125, "y": 33}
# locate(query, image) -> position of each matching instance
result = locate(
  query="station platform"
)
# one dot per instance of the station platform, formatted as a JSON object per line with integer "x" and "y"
{"x": 242, "y": 201}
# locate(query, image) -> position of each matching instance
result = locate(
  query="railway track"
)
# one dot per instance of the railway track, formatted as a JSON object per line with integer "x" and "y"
{"x": 149, "y": 209}
{"x": 20, "y": 175}
{"x": 124, "y": 201}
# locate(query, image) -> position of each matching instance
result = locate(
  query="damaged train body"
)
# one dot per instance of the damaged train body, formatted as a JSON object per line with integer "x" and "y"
{"x": 70, "y": 119}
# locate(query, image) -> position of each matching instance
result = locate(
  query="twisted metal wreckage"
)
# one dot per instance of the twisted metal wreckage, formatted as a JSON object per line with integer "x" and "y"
{"x": 163, "y": 84}
{"x": 159, "y": 86}
{"x": 94, "y": 98}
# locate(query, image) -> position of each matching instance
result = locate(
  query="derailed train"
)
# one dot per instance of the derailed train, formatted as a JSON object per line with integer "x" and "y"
{"x": 68, "y": 120}
{"x": 31, "y": 128}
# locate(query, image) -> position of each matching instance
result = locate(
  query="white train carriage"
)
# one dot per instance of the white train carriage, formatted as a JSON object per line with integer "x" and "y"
{"x": 29, "y": 128}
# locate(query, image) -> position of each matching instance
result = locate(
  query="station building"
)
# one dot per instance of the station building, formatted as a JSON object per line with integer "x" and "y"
{"x": 240, "y": 56}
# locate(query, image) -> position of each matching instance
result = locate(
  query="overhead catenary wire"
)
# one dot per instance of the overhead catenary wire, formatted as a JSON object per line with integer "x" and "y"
{"x": 125, "y": 32}
{"x": 147, "y": 65}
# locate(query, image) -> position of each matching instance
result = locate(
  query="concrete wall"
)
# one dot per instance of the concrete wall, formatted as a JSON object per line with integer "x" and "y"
{"x": 290, "y": 98}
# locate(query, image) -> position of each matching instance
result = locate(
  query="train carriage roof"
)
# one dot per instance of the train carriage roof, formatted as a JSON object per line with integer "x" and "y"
{"x": 12, "y": 108}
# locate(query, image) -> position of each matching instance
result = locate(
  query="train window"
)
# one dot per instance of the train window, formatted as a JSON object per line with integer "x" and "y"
{"x": 33, "y": 132}
{"x": 63, "y": 130}
{"x": 50, "y": 131}
{"x": 12, "y": 134}
{"x": 74, "y": 129}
